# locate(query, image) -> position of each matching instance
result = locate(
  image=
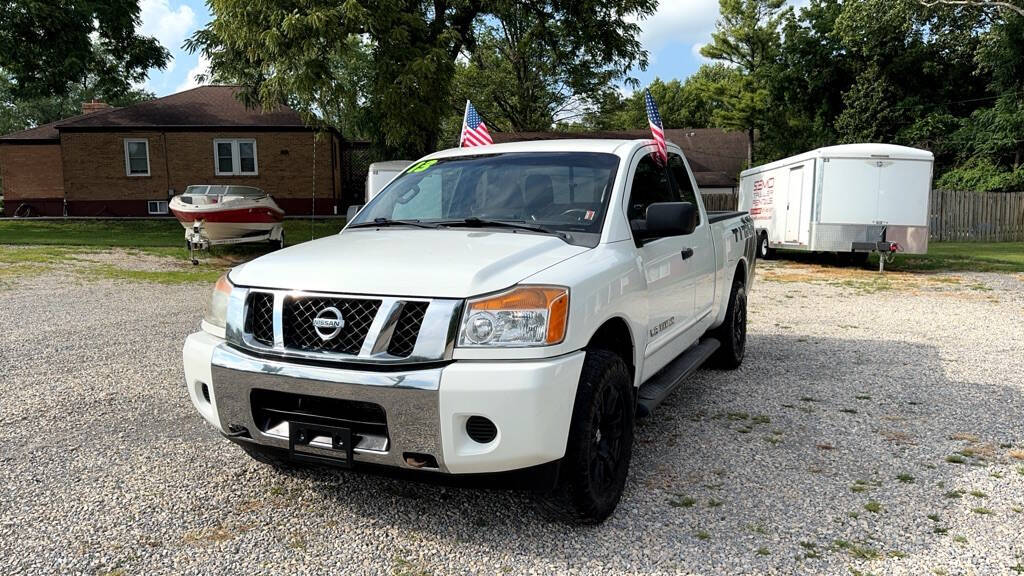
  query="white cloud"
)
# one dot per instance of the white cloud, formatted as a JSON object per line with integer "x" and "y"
{"x": 678, "y": 25}
{"x": 169, "y": 25}
{"x": 799, "y": 5}
{"x": 201, "y": 67}
{"x": 684, "y": 22}
{"x": 695, "y": 50}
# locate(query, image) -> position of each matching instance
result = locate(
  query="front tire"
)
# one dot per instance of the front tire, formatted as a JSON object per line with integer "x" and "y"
{"x": 596, "y": 463}
{"x": 733, "y": 332}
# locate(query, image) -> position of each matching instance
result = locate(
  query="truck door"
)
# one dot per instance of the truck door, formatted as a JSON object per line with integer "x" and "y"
{"x": 794, "y": 201}
{"x": 701, "y": 265}
{"x": 670, "y": 278}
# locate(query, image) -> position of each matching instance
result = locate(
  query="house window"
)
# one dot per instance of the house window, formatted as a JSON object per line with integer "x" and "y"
{"x": 157, "y": 206}
{"x": 136, "y": 156}
{"x": 235, "y": 157}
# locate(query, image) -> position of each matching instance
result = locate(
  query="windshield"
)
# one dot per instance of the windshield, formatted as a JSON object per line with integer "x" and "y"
{"x": 223, "y": 190}
{"x": 561, "y": 191}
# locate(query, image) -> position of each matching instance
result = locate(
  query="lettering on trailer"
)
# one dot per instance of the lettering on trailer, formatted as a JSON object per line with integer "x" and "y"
{"x": 662, "y": 327}
{"x": 763, "y": 203}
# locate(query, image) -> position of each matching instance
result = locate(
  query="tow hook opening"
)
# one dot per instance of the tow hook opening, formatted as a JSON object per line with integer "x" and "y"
{"x": 417, "y": 460}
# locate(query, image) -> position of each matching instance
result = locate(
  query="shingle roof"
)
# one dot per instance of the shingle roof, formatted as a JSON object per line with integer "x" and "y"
{"x": 204, "y": 106}
{"x": 39, "y": 133}
{"x": 716, "y": 157}
{"x": 201, "y": 107}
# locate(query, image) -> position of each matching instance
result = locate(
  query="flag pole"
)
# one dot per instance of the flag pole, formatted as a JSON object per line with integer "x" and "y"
{"x": 462, "y": 130}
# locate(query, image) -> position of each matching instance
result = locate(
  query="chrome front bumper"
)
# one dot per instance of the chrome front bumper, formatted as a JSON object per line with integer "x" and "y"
{"x": 426, "y": 410}
{"x": 410, "y": 400}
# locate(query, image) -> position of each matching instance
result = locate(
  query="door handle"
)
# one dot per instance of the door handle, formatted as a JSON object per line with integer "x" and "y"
{"x": 686, "y": 253}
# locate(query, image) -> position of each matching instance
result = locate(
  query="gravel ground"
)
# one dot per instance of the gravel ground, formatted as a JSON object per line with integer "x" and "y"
{"x": 872, "y": 429}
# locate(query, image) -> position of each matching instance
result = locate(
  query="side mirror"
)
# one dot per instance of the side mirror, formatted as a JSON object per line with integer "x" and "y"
{"x": 352, "y": 211}
{"x": 670, "y": 219}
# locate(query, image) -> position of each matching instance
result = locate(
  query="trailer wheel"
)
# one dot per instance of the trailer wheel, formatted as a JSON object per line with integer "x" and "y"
{"x": 733, "y": 331}
{"x": 764, "y": 251}
{"x": 279, "y": 243}
{"x": 593, "y": 472}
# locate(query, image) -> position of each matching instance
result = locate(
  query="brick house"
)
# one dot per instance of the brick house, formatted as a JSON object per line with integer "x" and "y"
{"x": 129, "y": 161}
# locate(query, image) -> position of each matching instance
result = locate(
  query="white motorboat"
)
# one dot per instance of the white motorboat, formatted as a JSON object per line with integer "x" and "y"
{"x": 227, "y": 212}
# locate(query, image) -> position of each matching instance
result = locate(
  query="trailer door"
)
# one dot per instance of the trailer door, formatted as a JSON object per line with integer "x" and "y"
{"x": 794, "y": 202}
{"x": 903, "y": 189}
{"x": 849, "y": 191}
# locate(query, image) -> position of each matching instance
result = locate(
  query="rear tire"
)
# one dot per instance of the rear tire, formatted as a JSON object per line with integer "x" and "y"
{"x": 593, "y": 472}
{"x": 733, "y": 331}
{"x": 764, "y": 250}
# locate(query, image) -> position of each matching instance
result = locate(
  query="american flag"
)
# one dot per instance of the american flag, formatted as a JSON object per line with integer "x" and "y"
{"x": 474, "y": 131}
{"x": 657, "y": 130}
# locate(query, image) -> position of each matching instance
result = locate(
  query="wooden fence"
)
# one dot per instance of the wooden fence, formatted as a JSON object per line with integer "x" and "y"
{"x": 955, "y": 216}
{"x": 714, "y": 202}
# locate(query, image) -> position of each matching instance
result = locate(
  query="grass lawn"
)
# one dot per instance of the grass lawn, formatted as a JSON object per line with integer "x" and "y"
{"x": 962, "y": 256}
{"x": 134, "y": 233}
{"x": 166, "y": 237}
{"x": 32, "y": 246}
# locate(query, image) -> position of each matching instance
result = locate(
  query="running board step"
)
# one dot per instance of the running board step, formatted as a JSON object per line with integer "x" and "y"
{"x": 662, "y": 384}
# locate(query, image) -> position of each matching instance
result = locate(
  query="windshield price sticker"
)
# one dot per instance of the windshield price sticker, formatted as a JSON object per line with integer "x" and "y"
{"x": 421, "y": 166}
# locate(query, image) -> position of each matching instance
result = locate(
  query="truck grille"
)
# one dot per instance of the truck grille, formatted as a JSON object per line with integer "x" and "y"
{"x": 261, "y": 318}
{"x": 299, "y": 333}
{"x": 403, "y": 341}
{"x": 372, "y": 330}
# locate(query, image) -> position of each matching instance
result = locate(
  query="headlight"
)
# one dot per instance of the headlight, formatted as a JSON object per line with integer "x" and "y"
{"x": 523, "y": 316}
{"x": 217, "y": 311}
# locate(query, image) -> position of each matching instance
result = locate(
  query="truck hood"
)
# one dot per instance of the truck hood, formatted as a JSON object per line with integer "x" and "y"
{"x": 442, "y": 263}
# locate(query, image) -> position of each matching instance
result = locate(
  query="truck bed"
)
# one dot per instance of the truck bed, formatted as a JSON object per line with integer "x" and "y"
{"x": 719, "y": 215}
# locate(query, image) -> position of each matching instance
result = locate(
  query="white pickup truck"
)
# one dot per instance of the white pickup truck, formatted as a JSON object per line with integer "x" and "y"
{"x": 495, "y": 309}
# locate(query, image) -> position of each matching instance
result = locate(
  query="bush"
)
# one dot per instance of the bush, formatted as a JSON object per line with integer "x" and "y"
{"x": 981, "y": 175}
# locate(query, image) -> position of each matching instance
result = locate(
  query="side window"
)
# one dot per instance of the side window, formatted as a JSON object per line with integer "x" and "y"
{"x": 682, "y": 178}
{"x": 650, "y": 184}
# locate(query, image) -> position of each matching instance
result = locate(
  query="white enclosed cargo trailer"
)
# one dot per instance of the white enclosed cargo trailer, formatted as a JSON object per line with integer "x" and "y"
{"x": 848, "y": 198}
{"x": 381, "y": 173}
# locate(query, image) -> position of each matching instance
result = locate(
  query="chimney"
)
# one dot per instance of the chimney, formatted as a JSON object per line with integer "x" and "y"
{"x": 94, "y": 106}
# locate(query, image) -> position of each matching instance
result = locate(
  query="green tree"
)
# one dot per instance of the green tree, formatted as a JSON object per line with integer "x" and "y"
{"x": 48, "y": 48}
{"x": 688, "y": 104}
{"x": 747, "y": 36}
{"x": 18, "y": 113}
{"x": 294, "y": 51}
{"x": 910, "y": 63}
{"x": 346, "y": 106}
{"x": 989, "y": 144}
{"x": 806, "y": 83}
{"x": 522, "y": 69}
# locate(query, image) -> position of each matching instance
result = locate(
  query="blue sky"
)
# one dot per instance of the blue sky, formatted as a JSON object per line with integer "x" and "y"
{"x": 672, "y": 37}
{"x": 171, "y": 22}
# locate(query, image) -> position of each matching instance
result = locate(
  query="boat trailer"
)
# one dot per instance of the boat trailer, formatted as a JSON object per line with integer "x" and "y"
{"x": 196, "y": 239}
